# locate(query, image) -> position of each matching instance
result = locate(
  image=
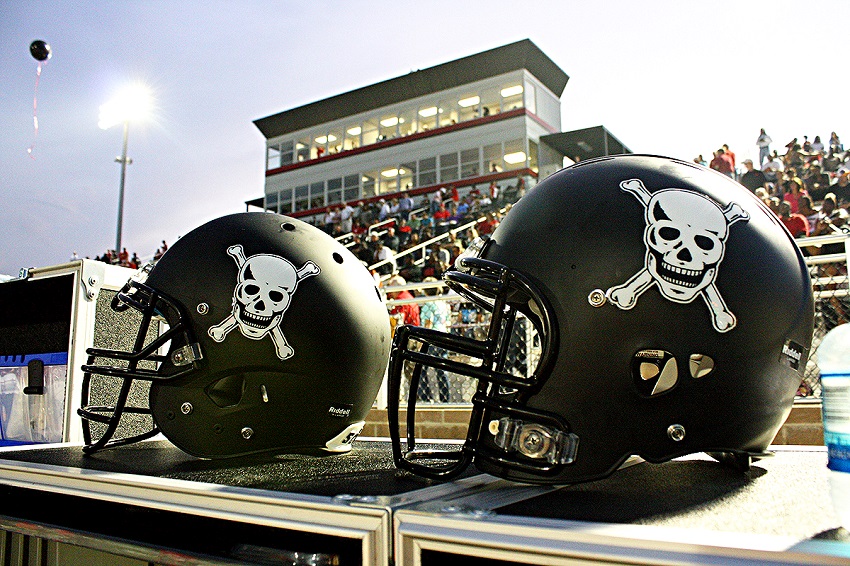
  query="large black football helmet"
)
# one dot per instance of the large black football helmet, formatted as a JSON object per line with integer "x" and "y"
{"x": 256, "y": 332}
{"x": 671, "y": 312}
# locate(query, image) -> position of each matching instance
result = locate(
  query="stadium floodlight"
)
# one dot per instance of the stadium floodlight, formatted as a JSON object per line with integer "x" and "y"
{"x": 130, "y": 105}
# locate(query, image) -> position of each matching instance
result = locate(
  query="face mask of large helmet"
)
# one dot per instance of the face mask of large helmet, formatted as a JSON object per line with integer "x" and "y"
{"x": 254, "y": 332}
{"x": 659, "y": 308}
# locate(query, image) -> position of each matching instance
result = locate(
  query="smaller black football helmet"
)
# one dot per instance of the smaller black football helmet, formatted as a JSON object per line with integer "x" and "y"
{"x": 255, "y": 332}
{"x": 659, "y": 309}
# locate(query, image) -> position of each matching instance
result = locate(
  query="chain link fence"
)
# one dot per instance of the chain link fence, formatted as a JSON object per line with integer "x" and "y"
{"x": 826, "y": 258}
{"x": 439, "y": 386}
{"x": 463, "y": 318}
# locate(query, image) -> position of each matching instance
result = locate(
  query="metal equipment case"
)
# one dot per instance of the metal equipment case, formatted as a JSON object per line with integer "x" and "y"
{"x": 48, "y": 317}
{"x": 688, "y": 511}
{"x": 151, "y": 503}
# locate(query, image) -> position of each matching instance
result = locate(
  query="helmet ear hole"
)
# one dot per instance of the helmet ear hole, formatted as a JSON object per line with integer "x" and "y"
{"x": 337, "y": 258}
{"x": 227, "y": 391}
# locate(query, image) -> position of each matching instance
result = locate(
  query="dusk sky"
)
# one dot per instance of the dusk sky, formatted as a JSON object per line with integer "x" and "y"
{"x": 665, "y": 77}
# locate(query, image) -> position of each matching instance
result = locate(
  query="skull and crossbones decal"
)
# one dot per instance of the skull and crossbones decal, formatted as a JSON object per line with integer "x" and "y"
{"x": 685, "y": 241}
{"x": 263, "y": 291}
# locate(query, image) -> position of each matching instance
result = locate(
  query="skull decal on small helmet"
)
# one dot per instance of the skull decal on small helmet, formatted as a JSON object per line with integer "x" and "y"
{"x": 264, "y": 288}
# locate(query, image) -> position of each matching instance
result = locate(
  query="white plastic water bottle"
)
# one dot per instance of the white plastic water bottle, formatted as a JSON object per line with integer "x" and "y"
{"x": 834, "y": 364}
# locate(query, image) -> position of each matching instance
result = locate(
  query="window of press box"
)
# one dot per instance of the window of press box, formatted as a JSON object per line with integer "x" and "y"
{"x": 493, "y": 158}
{"x": 448, "y": 167}
{"x": 490, "y": 103}
{"x": 390, "y": 179}
{"x": 407, "y": 122}
{"x": 280, "y": 154}
{"x": 388, "y": 127}
{"x": 515, "y": 156}
{"x": 511, "y": 97}
{"x": 427, "y": 172}
{"x": 532, "y": 156}
{"x": 448, "y": 112}
{"x": 469, "y": 107}
{"x": 287, "y": 152}
{"x": 302, "y": 150}
{"x": 370, "y": 132}
{"x": 352, "y": 188}
{"x": 407, "y": 175}
{"x": 285, "y": 204}
{"x": 549, "y": 108}
{"x": 335, "y": 141}
{"x": 271, "y": 201}
{"x": 427, "y": 117}
{"x": 335, "y": 191}
{"x": 530, "y": 100}
{"x": 352, "y": 137}
{"x": 302, "y": 198}
{"x": 369, "y": 184}
{"x": 321, "y": 144}
{"x": 469, "y": 162}
{"x": 272, "y": 157}
{"x": 317, "y": 194}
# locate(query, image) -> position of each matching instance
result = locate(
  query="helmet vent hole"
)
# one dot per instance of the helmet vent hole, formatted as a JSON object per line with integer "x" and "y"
{"x": 288, "y": 226}
{"x": 337, "y": 258}
{"x": 701, "y": 365}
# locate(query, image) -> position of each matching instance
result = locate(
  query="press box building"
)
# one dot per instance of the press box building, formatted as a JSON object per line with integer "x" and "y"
{"x": 493, "y": 116}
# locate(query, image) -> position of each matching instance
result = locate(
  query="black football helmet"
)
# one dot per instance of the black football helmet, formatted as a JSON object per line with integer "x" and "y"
{"x": 256, "y": 332}
{"x": 671, "y": 314}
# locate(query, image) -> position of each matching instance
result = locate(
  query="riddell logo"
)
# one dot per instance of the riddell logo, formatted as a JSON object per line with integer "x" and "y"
{"x": 791, "y": 352}
{"x": 792, "y": 355}
{"x": 342, "y": 411}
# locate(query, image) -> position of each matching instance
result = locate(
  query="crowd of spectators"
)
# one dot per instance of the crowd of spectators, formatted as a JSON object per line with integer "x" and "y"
{"x": 807, "y": 186}
{"x": 123, "y": 258}
{"x": 401, "y": 225}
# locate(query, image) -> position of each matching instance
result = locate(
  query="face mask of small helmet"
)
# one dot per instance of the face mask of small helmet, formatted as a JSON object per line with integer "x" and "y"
{"x": 637, "y": 305}
{"x": 253, "y": 333}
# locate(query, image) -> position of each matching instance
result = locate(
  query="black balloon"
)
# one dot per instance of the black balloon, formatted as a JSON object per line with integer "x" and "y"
{"x": 40, "y": 50}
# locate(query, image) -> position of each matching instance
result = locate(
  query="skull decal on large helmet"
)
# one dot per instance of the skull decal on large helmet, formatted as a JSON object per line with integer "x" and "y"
{"x": 685, "y": 241}
{"x": 264, "y": 288}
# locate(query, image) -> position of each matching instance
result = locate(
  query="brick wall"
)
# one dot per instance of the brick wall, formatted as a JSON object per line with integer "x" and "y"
{"x": 432, "y": 422}
{"x": 803, "y": 426}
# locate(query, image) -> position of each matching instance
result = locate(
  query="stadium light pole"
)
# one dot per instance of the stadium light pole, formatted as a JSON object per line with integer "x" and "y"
{"x": 131, "y": 104}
